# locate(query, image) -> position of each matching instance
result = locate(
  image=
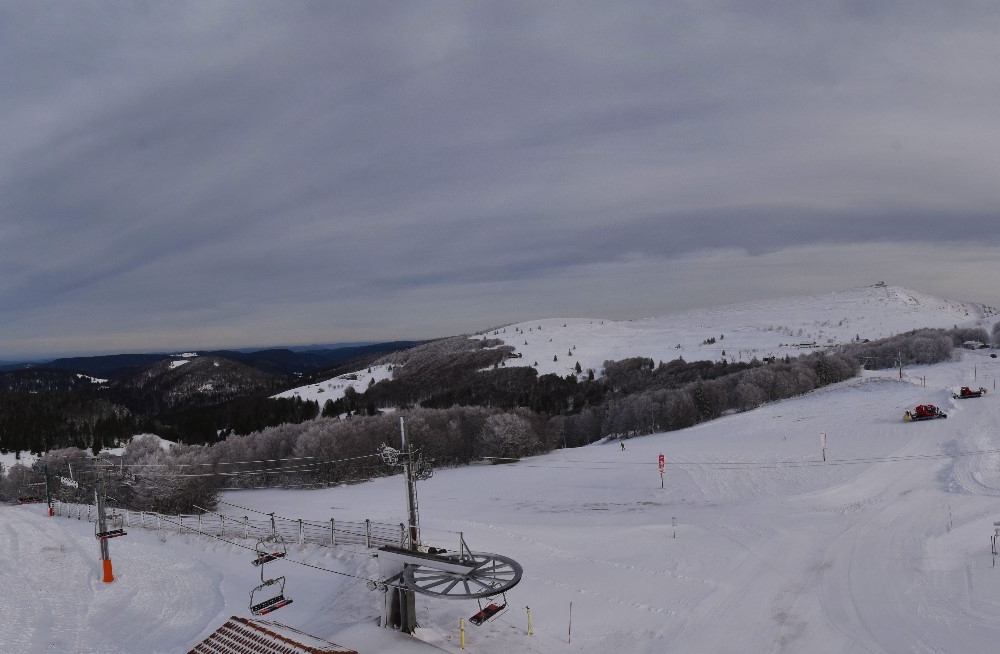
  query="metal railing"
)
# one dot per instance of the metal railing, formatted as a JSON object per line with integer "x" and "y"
{"x": 333, "y": 533}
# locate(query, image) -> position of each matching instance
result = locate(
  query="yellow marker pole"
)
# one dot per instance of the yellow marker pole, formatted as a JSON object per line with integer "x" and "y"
{"x": 530, "y": 631}
{"x": 461, "y": 629}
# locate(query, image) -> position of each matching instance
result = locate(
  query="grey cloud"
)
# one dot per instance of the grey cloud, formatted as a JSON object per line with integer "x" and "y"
{"x": 201, "y": 161}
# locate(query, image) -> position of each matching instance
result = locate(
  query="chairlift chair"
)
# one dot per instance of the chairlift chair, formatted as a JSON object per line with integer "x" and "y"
{"x": 117, "y": 523}
{"x": 273, "y": 603}
{"x": 266, "y": 554}
{"x": 490, "y": 612}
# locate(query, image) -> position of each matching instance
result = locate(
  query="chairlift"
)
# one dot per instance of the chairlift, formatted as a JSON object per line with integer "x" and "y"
{"x": 490, "y": 612}
{"x": 266, "y": 554}
{"x": 273, "y": 603}
{"x": 117, "y": 522}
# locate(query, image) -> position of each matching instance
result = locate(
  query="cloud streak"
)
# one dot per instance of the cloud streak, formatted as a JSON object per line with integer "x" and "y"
{"x": 205, "y": 174}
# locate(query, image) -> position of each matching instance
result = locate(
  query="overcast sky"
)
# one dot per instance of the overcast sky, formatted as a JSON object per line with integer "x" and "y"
{"x": 187, "y": 175}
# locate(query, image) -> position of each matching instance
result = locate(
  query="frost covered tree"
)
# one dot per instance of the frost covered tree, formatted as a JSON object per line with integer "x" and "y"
{"x": 748, "y": 396}
{"x": 506, "y": 436}
{"x": 169, "y": 482}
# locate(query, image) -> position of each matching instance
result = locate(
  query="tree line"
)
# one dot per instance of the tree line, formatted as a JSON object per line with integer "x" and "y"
{"x": 39, "y": 422}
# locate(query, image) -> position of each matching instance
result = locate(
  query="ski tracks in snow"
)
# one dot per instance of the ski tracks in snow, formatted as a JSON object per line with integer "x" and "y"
{"x": 885, "y": 549}
{"x": 41, "y": 583}
{"x": 54, "y": 563}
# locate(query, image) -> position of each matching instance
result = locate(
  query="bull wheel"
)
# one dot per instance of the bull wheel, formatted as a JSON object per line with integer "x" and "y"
{"x": 493, "y": 574}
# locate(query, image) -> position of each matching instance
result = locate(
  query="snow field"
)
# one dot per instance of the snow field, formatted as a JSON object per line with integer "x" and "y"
{"x": 882, "y": 548}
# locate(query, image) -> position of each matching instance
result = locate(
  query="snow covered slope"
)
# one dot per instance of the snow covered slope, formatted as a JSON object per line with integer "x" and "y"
{"x": 741, "y": 331}
{"x": 789, "y": 326}
{"x": 884, "y": 547}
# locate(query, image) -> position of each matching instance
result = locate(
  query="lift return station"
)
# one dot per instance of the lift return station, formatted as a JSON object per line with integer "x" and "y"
{"x": 436, "y": 572}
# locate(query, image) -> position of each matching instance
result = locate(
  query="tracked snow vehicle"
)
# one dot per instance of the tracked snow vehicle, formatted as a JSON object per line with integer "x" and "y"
{"x": 967, "y": 392}
{"x": 924, "y": 412}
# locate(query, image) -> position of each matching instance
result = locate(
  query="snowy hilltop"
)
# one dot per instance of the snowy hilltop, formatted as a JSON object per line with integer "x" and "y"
{"x": 820, "y": 523}
{"x": 737, "y": 332}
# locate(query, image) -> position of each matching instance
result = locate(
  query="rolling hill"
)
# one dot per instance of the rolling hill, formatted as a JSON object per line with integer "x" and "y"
{"x": 737, "y": 332}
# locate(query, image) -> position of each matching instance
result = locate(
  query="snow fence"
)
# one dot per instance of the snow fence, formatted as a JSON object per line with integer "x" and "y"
{"x": 290, "y": 530}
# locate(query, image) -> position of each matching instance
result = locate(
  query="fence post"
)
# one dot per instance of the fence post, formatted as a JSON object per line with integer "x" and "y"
{"x": 333, "y": 533}
{"x": 300, "y": 532}
{"x": 368, "y": 533}
{"x": 402, "y": 536}
{"x": 246, "y": 527}
{"x": 223, "y": 519}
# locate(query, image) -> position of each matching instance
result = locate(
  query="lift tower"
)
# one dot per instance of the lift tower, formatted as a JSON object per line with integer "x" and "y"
{"x": 400, "y": 610}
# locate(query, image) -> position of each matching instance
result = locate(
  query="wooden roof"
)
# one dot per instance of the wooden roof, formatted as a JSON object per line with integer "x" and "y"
{"x": 243, "y": 636}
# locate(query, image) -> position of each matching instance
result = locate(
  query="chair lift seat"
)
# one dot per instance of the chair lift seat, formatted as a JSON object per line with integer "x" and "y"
{"x": 267, "y": 557}
{"x": 269, "y": 605}
{"x": 487, "y": 613}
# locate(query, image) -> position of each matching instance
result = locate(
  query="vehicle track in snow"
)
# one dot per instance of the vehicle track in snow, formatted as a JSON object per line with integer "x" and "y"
{"x": 885, "y": 550}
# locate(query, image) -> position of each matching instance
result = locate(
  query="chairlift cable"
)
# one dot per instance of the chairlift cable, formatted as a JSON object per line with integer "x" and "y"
{"x": 343, "y": 551}
{"x": 254, "y": 549}
{"x": 589, "y": 465}
{"x": 313, "y": 485}
{"x": 300, "y": 467}
{"x": 741, "y": 465}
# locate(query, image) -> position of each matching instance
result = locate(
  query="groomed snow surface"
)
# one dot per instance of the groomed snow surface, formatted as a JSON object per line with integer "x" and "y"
{"x": 885, "y": 547}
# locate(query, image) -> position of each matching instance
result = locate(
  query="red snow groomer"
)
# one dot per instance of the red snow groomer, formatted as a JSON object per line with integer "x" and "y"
{"x": 967, "y": 392}
{"x": 924, "y": 412}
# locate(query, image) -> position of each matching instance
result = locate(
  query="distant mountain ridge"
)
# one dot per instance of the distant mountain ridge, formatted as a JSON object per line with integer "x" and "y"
{"x": 279, "y": 361}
